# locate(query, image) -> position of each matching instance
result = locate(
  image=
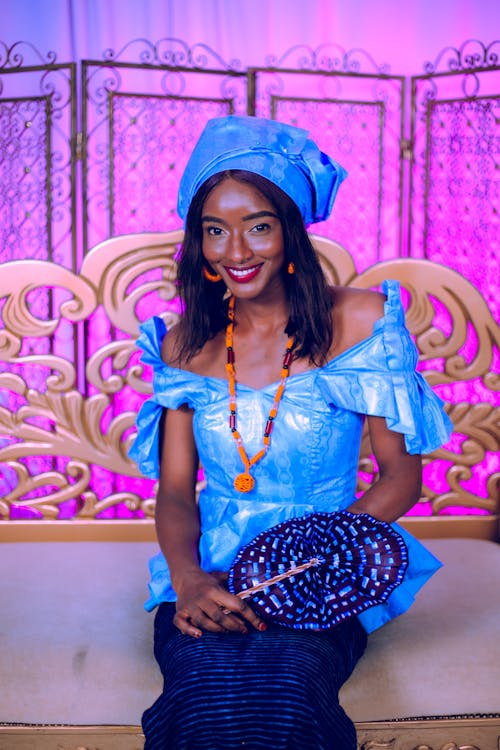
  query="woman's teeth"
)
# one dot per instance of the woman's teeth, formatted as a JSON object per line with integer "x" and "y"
{"x": 243, "y": 274}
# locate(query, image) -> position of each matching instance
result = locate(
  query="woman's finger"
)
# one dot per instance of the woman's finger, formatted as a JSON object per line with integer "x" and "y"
{"x": 194, "y": 625}
{"x": 239, "y": 609}
{"x": 183, "y": 623}
{"x": 229, "y": 621}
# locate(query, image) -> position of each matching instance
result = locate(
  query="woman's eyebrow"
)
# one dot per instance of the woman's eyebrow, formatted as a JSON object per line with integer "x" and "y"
{"x": 248, "y": 217}
{"x": 260, "y": 215}
{"x": 215, "y": 219}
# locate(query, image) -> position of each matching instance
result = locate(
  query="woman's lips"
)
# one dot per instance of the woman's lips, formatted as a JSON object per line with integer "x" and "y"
{"x": 242, "y": 275}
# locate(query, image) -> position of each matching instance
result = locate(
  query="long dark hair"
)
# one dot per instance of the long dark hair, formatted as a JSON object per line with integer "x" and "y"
{"x": 310, "y": 299}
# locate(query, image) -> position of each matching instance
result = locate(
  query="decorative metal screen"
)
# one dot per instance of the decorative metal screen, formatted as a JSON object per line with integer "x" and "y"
{"x": 455, "y": 203}
{"x": 37, "y": 206}
{"x": 142, "y": 117}
{"x": 456, "y": 170}
{"x": 358, "y": 117}
{"x": 69, "y": 372}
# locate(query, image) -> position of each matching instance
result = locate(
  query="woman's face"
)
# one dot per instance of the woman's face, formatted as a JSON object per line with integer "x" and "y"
{"x": 243, "y": 239}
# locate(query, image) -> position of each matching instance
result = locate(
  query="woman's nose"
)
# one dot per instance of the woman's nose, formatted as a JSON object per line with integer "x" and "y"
{"x": 239, "y": 250}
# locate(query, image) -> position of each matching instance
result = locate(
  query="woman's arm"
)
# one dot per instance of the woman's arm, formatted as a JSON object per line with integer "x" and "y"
{"x": 400, "y": 475}
{"x": 202, "y": 602}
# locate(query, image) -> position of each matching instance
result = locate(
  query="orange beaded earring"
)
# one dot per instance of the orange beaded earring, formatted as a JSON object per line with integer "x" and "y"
{"x": 214, "y": 277}
{"x": 291, "y": 268}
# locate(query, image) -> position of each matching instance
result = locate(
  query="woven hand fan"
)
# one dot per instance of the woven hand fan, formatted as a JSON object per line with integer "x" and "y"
{"x": 315, "y": 571}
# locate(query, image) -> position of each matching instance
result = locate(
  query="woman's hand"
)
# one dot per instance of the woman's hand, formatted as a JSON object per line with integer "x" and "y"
{"x": 204, "y": 604}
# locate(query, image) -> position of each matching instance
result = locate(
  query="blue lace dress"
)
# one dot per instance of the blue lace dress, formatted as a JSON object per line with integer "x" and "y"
{"x": 312, "y": 462}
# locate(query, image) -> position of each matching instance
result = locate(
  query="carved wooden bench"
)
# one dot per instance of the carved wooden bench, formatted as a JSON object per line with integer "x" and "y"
{"x": 76, "y": 664}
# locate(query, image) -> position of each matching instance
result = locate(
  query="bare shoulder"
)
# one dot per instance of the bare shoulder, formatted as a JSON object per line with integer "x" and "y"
{"x": 364, "y": 304}
{"x": 355, "y": 312}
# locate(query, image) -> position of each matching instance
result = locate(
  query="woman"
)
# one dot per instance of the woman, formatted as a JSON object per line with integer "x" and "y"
{"x": 273, "y": 447}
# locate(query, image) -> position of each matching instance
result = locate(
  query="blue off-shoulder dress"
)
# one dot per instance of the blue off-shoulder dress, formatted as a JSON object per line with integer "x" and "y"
{"x": 312, "y": 461}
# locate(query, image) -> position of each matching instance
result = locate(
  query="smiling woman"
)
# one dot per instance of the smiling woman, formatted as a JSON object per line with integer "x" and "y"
{"x": 242, "y": 237}
{"x": 267, "y": 381}
{"x": 300, "y": 276}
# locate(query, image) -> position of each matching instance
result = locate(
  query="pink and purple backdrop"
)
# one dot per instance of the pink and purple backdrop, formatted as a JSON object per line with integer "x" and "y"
{"x": 415, "y": 211}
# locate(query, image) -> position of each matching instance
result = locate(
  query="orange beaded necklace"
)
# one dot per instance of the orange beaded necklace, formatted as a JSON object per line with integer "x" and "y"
{"x": 245, "y": 482}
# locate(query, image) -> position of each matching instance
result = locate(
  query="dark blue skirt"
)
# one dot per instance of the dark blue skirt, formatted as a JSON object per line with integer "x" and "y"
{"x": 276, "y": 690}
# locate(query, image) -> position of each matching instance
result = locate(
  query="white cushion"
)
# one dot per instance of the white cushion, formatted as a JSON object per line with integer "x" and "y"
{"x": 442, "y": 657}
{"x": 75, "y": 641}
{"x": 76, "y": 644}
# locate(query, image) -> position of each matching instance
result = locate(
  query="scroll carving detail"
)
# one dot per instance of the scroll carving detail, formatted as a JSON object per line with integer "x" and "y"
{"x": 431, "y": 287}
{"x": 50, "y": 417}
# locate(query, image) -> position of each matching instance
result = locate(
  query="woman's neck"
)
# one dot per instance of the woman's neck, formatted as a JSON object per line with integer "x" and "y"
{"x": 262, "y": 315}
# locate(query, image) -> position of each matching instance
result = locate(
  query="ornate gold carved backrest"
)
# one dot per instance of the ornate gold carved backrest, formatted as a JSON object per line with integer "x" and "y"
{"x": 68, "y": 406}
{"x": 42, "y": 411}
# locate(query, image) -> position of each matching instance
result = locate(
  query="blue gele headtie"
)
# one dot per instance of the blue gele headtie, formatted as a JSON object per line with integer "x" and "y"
{"x": 279, "y": 152}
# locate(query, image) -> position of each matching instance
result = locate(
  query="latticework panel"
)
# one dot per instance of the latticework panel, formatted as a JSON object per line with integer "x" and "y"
{"x": 354, "y": 110}
{"x": 455, "y": 199}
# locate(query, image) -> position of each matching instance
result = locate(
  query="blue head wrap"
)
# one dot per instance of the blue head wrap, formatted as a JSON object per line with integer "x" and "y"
{"x": 281, "y": 153}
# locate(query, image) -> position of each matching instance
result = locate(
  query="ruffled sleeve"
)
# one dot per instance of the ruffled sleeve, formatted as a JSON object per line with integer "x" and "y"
{"x": 377, "y": 377}
{"x": 171, "y": 388}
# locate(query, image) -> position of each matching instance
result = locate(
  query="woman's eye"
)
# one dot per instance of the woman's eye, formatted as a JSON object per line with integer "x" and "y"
{"x": 260, "y": 227}
{"x": 214, "y": 231}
